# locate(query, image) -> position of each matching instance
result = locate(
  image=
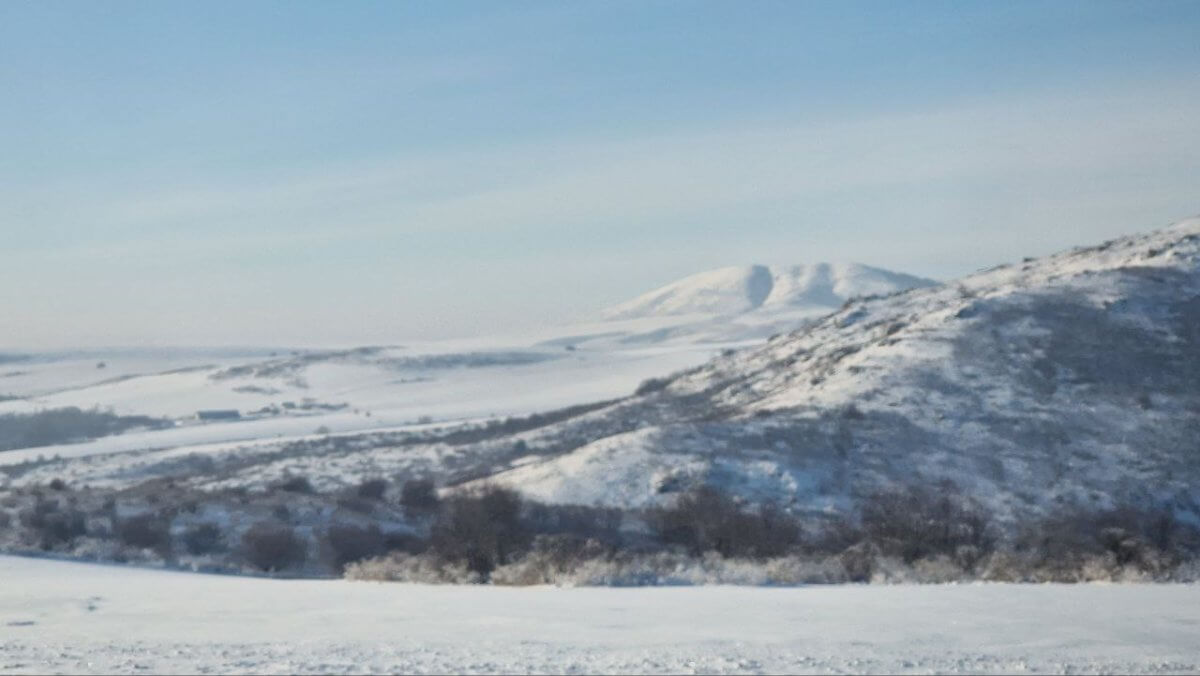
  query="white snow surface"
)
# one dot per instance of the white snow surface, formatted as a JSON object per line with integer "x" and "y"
{"x": 86, "y": 618}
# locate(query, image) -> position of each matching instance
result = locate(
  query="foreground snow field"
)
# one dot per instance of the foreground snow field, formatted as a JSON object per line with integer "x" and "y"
{"x": 85, "y": 618}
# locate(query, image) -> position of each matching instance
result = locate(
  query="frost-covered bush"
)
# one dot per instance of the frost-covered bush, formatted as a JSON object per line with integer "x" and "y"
{"x": 550, "y": 560}
{"x": 624, "y": 569}
{"x": 675, "y": 568}
{"x": 403, "y": 567}
{"x": 797, "y": 570}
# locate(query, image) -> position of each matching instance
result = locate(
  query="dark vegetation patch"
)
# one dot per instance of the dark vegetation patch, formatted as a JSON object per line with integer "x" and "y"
{"x": 203, "y": 538}
{"x": 706, "y": 519}
{"x": 67, "y": 425}
{"x": 273, "y": 547}
{"x": 927, "y": 533}
{"x": 419, "y": 496}
{"x": 144, "y": 531}
{"x": 296, "y": 484}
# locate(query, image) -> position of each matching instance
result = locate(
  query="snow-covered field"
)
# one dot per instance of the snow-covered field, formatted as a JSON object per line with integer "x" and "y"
{"x": 85, "y": 618}
{"x": 287, "y": 396}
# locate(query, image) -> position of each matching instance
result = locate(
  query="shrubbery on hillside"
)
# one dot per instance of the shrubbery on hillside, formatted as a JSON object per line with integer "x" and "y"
{"x": 273, "y": 547}
{"x": 493, "y": 535}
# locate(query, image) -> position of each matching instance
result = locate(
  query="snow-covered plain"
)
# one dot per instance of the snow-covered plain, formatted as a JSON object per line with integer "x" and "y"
{"x": 288, "y": 396}
{"x": 59, "y": 617}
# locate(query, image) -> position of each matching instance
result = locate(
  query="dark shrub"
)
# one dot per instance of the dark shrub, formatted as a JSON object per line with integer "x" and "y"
{"x": 419, "y": 495}
{"x": 852, "y": 412}
{"x": 296, "y": 484}
{"x": 1147, "y": 539}
{"x": 372, "y": 489}
{"x": 144, "y": 531}
{"x": 57, "y": 485}
{"x": 917, "y": 522}
{"x": 348, "y": 544}
{"x": 272, "y": 547}
{"x": 706, "y": 519}
{"x": 562, "y": 553}
{"x": 482, "y": 530}
{"x": 52, "y": 525}
{"x": 580, "y": 521}
{"x": 204, "y": 538}
{"x": 395, "y": 541}
{"x": 652, "y": 385}
{"x": 356, "y": 504}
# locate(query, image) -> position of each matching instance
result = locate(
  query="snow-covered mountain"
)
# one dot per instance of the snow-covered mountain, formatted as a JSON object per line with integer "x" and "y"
{"x": 1069, "y": 380}
{"x": 821, "y": 287}
{"x": 1072, "y": 380}
{"x": 740, "y": 304}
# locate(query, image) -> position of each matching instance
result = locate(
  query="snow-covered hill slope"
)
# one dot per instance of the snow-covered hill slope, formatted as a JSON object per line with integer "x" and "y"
{"x": 294, "y": 394}
{"x": 1073, "y": 379}
{"x": 1068, "y": 381}
{"x": 282, "y": 392}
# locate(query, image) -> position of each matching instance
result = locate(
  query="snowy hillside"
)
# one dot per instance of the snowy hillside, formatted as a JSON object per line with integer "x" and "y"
{"x": 1067, "y": 386}
{"x": 1069, "y": 380}
{"x": 291, "y": 393}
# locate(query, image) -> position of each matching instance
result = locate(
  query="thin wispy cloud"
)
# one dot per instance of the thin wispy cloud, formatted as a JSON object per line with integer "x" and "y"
{"x": 493, "y": 151}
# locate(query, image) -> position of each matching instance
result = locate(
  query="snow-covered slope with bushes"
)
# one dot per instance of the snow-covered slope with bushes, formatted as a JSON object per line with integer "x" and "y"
{"x": 292, "y": 393}
{"x": 1069, "y": 380}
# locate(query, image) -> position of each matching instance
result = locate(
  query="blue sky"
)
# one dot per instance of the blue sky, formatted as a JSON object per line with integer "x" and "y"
{"x": 360, "y": 172}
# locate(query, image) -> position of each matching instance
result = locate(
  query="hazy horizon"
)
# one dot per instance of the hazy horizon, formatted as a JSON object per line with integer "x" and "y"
{"x": 306, "y": 173}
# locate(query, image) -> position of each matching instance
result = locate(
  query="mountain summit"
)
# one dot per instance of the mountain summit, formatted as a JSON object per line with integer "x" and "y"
{"x": 820, "y": 287}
